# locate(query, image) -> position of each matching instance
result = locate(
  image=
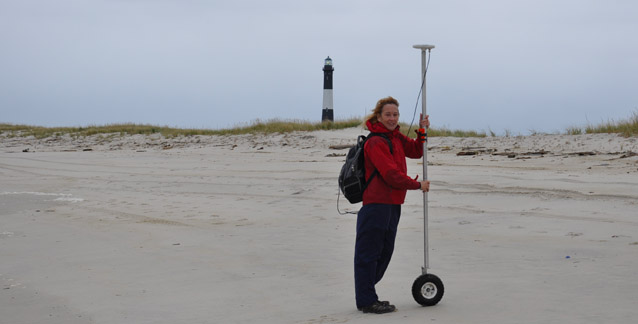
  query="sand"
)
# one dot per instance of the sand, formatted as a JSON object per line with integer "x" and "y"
{"x": 245, "y": 229}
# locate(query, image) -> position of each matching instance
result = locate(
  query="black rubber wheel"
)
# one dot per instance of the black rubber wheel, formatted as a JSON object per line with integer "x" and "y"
{"x": 427, "y": 289}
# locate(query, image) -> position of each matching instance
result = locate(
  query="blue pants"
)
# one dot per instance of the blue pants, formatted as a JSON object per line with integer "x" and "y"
{"x": 376, "y": 230}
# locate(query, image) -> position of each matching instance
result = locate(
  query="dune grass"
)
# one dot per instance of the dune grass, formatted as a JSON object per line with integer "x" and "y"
{"x": 271, "y": 126}
{"x": 287, "y": 126}
{"x": 265, "y": 127}
{"x": 441, "y": 132}
{"x": 122, "y": 129}
{"x": 627, "y": 127}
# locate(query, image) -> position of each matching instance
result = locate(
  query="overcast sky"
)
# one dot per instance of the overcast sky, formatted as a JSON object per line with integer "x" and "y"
{"x": 499, "y": 65}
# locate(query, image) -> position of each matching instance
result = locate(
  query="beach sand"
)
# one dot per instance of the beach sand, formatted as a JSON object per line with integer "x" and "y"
{"x": 245, "y": 229}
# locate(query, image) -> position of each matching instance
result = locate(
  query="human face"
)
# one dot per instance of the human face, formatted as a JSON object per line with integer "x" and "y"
{"x": 389, "y": 116}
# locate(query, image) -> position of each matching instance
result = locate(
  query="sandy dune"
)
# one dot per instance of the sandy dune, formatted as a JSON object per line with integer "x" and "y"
{"x": 244, "y": 229}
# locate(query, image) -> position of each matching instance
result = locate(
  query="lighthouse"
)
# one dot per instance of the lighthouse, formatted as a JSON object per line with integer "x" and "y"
{"x": 327, "y": 113}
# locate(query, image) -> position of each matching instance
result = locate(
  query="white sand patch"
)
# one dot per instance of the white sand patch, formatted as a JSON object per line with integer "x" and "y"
{"x": 61, "y": 196}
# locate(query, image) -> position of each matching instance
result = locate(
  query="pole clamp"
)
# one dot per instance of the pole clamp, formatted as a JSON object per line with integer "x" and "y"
{"x": 421, "y": 135}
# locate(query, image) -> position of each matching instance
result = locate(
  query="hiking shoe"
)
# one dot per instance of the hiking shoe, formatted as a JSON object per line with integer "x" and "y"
{"x": 384, "y": 302}
{"x": 379, "y": 308}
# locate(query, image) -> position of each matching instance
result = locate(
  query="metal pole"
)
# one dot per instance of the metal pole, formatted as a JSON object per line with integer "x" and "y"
{"x": 426, "y": 257}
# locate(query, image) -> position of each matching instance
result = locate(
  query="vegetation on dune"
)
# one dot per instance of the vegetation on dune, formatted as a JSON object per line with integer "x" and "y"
{"x": 628, "y": 127}
{"x": 271, "y": 126}
{"x": 266, "y": 127}
{"x": 122, "y": 129}
{"x": 284, "y": 126}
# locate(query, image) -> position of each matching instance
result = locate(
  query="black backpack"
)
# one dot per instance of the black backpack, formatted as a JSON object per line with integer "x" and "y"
{"x": 352, "y": 179}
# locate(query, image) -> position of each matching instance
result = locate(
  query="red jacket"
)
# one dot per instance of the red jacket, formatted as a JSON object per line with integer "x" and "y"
{"x": 392, "y": 182}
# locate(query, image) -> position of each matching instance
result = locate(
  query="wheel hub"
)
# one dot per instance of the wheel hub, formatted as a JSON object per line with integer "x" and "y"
{"x": 428, "y": 290}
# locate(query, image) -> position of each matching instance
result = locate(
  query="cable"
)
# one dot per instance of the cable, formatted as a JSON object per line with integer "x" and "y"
{"x": 339, "y": 211}
{"x": 427, "y": 64}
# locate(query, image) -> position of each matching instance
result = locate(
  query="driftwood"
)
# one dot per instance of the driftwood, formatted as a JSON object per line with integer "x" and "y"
{"x": 541, "y": 152}
{"x": 340, "y": 147}
{"x": 623, "y": 156}
{"x": 473, "y": 148}
{"x": 512, "y": 155}
{"x": 628, "y": 154}
{"x": 475, "y": 151}
{"x": 582, "y": 153}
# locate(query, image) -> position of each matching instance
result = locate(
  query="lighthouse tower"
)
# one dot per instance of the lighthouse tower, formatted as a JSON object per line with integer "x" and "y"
{"x": 327, "y": 113}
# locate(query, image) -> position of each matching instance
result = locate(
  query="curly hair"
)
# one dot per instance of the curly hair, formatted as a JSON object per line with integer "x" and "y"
{"x": 378, "y": 109}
